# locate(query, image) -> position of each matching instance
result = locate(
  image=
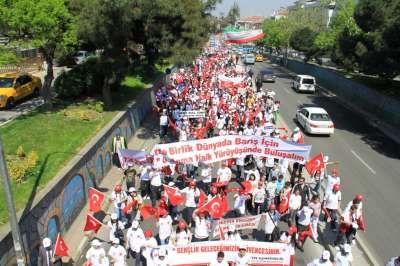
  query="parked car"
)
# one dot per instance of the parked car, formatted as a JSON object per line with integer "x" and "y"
{"x": 267, "y": 75}
{"x": 249, "y": 59}
{"x": 315, "y": 120}
{"x": 81, "y": 57}
{"x": 304, "y": 83}
{"x": 259, "y": 58}
{"x": 15, "y": 86}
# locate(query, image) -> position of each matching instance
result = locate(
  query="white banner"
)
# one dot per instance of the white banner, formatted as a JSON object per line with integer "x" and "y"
{"x": 240, "y": 223}
{"x": 203, "y": 253}
{"x": 193, "y": 114}
{"x": 232, "y": 146}
{"x": 233, "y": 80}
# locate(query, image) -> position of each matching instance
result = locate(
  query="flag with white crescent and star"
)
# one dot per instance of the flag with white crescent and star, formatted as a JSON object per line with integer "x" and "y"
{"x": 60, "y": 248}
{"x": 316, "y": 163}
{"x": 96, "y": 198}
{"x": 92, "y": 224}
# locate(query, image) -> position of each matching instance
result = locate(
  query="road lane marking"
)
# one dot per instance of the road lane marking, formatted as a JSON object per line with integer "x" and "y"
{"x": 363, "y": 162}
{"x": 286, "y": 90}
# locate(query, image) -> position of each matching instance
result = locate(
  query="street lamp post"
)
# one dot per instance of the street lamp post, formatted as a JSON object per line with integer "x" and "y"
{"x": 18, "y": 246}
{"x": 331, "y": 8}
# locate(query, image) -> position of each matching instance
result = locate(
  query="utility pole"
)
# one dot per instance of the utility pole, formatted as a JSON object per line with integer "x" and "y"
{"x": 18, "y": 246}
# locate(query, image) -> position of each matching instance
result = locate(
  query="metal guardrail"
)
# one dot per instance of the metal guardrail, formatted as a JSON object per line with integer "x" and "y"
{"x": 29, "y": 68}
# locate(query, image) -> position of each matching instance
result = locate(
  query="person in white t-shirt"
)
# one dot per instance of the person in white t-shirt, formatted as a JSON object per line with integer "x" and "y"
{"x": 332, "y": 203}
{"x": 303, "y": 224}
{"x": 202, "y": 227}
{"x": 155, "y": 186}
{"x": 206, "y": 178}
{"x": 224, "y": 174}
{"x": 258, "y": 198}
{"x": 239, "y": 205}
{"x": 241, "y": 258}
{"x": 96, "y": 254}
{"x": 149, "y": 244}
{"x": 182, "y": 236}
{"x": 272, "y": 217}
{"x": 220, "y": 261}
{"x": 192, "y": 194}
{"x": 294, "y": 206}
{"x": 164, "y": 227}
{"x": 116, "y": 227}
{"x": 322, "y": 261}
{"x": 117, "y": 253}
{"x": 343, "y": 256}
{"x": 134, "y": 241}
{"x": 331, "y": 180}
{"x": 232, "y": 234}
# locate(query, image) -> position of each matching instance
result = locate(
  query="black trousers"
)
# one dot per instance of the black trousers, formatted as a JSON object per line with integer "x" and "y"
{"x": 145, "y": 187}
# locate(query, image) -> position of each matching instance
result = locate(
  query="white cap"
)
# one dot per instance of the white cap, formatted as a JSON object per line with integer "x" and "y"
{"x": 231, "y": 228}
{"x": 115, "y": 241}
{"x": 326, "y": 255}
{"x": 46, "y": 242}
{"x": 171, "y": 184}
{"x": 296, "y": 129}
{"x": 96, "y": 243}
{"x": 243, "y": 246}
{"x": 347, "y": 248}
{"x": 132, "y": 189}
{"x": 114, "y": 216}
{"x": 135, "y": 224}
{"x": 162, "y": 252}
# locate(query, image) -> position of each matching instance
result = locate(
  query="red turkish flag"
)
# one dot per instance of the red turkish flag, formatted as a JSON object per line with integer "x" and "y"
{"x": 303, "y": 235}
{"x": 284, "y": 205}
{"x": 129, "y": 206}
{"x": 174, "y": 196}
{"x": 202, "y": 198}
{"x": 247, "y": 186}
{"x": 60, "y": 248}
{"x": 92, "y": 224}
{"x": 361, "y": 223}
{"x": 215, "y": 207}
{"x": 96, "y": 198}
{"x": 148, "y": 212}
{"x": 316, "y": 163}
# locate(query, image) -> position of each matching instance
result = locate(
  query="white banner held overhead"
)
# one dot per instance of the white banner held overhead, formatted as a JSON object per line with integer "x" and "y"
{"x": 240, "y": 223}
{"x": 232, "y": 146}
{"x": 193, "y": 114}
{"x": 203, "y": 253}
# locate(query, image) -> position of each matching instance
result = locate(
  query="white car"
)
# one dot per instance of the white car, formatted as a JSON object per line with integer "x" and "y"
{"x": 304, "y": 83}
{"x": 249, "y": 59}
{"x": 81, "y": 57}
{"x": 315, "y": 120}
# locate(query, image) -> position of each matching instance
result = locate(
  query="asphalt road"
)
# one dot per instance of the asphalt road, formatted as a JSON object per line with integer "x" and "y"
{"x": 368, "y": 162}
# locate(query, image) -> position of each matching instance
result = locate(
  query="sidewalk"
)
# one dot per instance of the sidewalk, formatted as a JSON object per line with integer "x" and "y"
{"x": 77, "y": 240}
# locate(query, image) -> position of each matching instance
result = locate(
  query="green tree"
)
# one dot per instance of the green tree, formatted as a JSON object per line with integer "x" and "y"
{"x": 276, "y": 33}
{"x": 49, "y": 25}
{"x": 378, "y": 50}
{"x": 303, "y": 40}
{"x": 233, "y": 13}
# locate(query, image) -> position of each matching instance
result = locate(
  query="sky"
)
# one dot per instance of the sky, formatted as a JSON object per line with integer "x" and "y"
{"x": 253, "y": 7}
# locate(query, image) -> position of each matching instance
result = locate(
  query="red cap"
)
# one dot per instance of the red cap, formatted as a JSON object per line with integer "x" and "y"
{"x": 272, "y": 207}
{"x": 214, "y": 190}
{"x": 359, "y": 198}
{"x": 202, "y": 213}
{"x": 242, "y": 192}
{"x": 182, "y": 224}
{"x": 148, "y": 233}
{"x": 336, "y": 187}
{"x": 117, "y": 188}
{"x": 292, "y": 229}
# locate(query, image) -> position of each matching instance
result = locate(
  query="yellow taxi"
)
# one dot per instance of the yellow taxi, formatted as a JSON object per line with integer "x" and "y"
{"x": 259, "y": 58}
{"x": 15, "y": 86}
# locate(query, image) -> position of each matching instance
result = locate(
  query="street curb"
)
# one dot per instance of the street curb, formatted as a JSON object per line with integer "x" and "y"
{"x": 361, "y": 243}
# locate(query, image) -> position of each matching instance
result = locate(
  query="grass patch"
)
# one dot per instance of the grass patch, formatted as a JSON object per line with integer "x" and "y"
{"x": 56, "y": 137}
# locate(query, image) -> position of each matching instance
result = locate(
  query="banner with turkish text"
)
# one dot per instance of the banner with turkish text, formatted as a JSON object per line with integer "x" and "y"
{"x": 247, "y": 222}
{"x": 203, "y": 253}
{"x": 129, "y": 158}
{"x": 232, "y": 146}
{"x": 193, "y": 114}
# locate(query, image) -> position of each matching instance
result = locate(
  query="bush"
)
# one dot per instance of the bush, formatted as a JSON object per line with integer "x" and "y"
{"x": 8, "y": 57}
{"x": 83, "y": 80}
{"x": 19, "y": 168}
{"x": 20, "y": 152}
